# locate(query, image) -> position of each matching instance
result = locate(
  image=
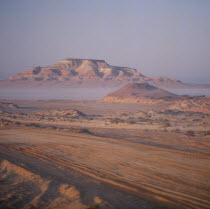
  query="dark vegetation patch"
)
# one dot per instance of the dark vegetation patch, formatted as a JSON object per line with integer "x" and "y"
{"x": 190, "y": 133}
{"x": 129, "y": 120}
{"x": 5, "y": 122}
{"x": 94, "y": 206}
{"x": 165, "y": 123}
{"x": 79, "y": 130}
{"x": 37, "y": 125}
{"x": 34, "y": 125}
{"x": 206, "y": 133}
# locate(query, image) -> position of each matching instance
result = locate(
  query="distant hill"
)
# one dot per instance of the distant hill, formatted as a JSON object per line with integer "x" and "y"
{"x": 141, "y": 90}
{"x": 143, "y": 93}
{"x": 87, "y": 73}
{"x": 139, "y": 93}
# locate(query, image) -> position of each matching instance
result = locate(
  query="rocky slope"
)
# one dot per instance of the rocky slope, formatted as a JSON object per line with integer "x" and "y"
{"x": 87, "y": 72}
{"x": 194, "y": 104}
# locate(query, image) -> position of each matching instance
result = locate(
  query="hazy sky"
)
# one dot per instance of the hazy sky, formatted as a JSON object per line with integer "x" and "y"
{"x": 157, "y": 37}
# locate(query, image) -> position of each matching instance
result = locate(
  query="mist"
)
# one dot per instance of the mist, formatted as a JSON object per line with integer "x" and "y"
{"x": 191, "y": 92}
{"x": 76, "y": 93}
{"x": 54, "y": 93}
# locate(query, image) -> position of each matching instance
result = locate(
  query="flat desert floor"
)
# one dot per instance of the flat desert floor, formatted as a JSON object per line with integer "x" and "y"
{"x": 114, "y": 156}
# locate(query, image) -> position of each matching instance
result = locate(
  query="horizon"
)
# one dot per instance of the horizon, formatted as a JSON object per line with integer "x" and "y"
{"x": 158, "y": 39}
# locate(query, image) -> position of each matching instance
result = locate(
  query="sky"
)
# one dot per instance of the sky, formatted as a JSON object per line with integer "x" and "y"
{"x": 168, "y": 38}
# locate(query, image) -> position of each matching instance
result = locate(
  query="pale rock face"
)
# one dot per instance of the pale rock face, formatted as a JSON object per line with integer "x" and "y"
{"x": 89, "y": 73}
{"x": 79, "y": 72}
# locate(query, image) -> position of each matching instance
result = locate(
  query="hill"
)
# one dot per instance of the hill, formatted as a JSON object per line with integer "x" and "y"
{"x": 140, "y": 90}
{"x": 143, "y": 93}
{"x": 139, "y": 93}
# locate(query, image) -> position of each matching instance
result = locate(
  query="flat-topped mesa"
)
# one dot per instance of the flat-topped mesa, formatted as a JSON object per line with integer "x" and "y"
{"x": 78, "y": 59}
{"x": 100, "y": 64}
{"x": 77, "y": 72}
{"x": 73, "y": 63}
{"x": 71, "y": 71}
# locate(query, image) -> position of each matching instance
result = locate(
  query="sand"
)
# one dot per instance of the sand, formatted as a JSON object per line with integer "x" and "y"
{"x": 114, "y": 166}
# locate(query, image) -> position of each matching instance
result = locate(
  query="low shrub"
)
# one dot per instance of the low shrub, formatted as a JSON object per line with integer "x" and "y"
{"x": 190, "y": 133}
{"x": 79, "y": 130}
{"x": 18, "y": 123}
{"x": 166, "y": 123}
{"x": 33, "y": 125}
{"x": 116, "y": 120}
{"x": 207, "y": 133}
{"x": 94, "y": 206}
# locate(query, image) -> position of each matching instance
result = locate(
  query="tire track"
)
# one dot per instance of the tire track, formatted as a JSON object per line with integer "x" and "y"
{"x": 113, "y": 179}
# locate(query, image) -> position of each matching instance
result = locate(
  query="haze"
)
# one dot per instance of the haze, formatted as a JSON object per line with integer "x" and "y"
{"x": 158, "y": 38}
{"x": 76, "y": 93}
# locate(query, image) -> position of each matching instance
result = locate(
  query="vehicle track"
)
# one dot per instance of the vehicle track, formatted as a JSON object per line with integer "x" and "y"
{"x": 111, "y": 178}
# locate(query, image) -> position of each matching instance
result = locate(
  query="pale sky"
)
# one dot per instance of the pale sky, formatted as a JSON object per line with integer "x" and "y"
{"x": 168, "y": 38}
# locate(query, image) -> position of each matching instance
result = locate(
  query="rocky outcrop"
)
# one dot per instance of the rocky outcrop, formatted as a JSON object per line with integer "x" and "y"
{"x": 71, "y": 113}
{"x": 7, "y": 106}
{"x": 196, "y": 104}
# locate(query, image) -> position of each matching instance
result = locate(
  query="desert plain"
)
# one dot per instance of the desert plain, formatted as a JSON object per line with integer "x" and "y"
{"x": 92, "y": 154}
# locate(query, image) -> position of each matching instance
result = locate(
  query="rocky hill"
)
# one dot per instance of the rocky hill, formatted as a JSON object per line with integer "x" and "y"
{"x": 139, "y": 93}
{"x": 86, "y": 72}
{"x": 143, "y": 93}
{"x": 7, "y": 106}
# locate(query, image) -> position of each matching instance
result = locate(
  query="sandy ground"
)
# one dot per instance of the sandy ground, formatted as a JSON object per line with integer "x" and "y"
{"x": 114, "y": 166}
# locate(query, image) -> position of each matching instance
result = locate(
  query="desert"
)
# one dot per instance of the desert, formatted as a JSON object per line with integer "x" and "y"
{"x": 137, "y": 145}
{"x": 97, "y": 154}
